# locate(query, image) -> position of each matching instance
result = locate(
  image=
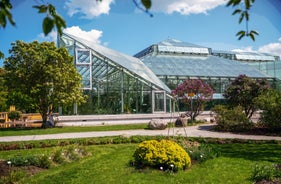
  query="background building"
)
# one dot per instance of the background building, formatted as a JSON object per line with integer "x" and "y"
{"x": 118, "y": 83}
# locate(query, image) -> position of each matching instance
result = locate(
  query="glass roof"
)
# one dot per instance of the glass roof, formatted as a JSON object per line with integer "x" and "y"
{"x": 252, "y": 56}
{"x": 132, "y": 64}
{"x": 172, "y": 46}
{"x": 183, "y": 49}
{"x": 199, "y": 66}
{"x": 178, "y": 43}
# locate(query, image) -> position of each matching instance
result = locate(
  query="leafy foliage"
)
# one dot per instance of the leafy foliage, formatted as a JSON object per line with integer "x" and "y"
{"x": 197, "y": 151}
{"x": 52, "y": 19}
{"x": 5, "y": 13}
{"x": 244, "y": 15}
{"x": 268, "y": 172}
{"x": 164, "y": 154}
{"x": 243, "y": 91}
{"x": 43, "y": 76}
{"x": 231, "y": 119}
{"x": 14, "y": 115}
{"x": 194, "y": 93}
{"x": 270, "y": 104}
{"x": 3, "y": 91}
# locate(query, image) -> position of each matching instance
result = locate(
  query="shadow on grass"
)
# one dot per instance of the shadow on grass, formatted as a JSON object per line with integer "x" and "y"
{"x": 253, "y": 152}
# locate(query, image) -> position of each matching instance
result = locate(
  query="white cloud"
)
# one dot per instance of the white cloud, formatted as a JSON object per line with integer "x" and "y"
{"x": 185, "y": 7}
{"x": 245, "y": 49}
{"x": 273, "y": 48}
{"x": 51, "y": 37}
{"x": 88, "y": 8}
{"x": 92, "y": 35}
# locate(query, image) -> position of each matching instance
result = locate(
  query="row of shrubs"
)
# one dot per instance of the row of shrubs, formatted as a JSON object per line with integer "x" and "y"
{"x": 119, "y": 140}
{"x": 59, "y": 156}
{"x": 235, "y": 120}
{"x": 45, "y": 161}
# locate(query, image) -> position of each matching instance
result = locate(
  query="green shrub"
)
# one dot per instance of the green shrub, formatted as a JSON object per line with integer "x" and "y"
{"x": 266, "y": 172}
{"x": 202, "y": 153}
{"x": 270, "y": 103}
{"x": 41, "y": 161}
{"x": 231, "y": 119}
{"x": 14, "y": 115}
{"x": 44, "y": 161}
{"x": 58, "y": 157}
{"x": 164, "y": 154}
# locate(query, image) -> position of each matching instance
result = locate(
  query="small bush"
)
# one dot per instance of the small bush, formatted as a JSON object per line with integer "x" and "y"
{"x": 266, "y": 172}
{"x": 231, "y": 119}
{"x": 58, "y": 157}
{"x": 14, "y": 115}
{"x": 164, "y": 154}
{"x": 44, "y": 162}
{"x": 270, "y": 103}
{"x": 202, "y": 153}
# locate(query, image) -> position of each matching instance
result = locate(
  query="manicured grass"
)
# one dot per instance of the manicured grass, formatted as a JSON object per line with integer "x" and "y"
{"x": 109, "y": 164}
{"x": 39, "y": 131}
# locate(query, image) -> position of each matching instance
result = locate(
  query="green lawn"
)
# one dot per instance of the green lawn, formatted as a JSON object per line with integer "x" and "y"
{"x": 39, "y": 131}
{"x": 109, "y": 164}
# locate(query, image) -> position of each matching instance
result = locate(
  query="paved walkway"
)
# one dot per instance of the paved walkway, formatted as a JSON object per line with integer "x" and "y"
{"x": 193, "y": 131}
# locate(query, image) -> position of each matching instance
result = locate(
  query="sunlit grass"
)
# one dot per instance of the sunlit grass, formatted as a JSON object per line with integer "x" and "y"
{"x": 110, "y": 164}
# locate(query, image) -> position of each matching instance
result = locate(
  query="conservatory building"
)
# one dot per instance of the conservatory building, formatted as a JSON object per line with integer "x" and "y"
{"x": 118, "y": 83}
{"x": 115, "y": 82}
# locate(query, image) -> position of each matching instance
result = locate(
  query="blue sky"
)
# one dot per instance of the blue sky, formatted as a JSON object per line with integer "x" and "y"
{"x": 119, "y": 25}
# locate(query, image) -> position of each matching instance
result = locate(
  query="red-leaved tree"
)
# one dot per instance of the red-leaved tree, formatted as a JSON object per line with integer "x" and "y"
{"x": 194, "y": 93}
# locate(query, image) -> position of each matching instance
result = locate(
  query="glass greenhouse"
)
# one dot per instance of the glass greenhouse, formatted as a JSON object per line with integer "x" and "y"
{"x": 115, "y": 82}
{"x": 174, "y": 61}
{"x": 118, "y": 83}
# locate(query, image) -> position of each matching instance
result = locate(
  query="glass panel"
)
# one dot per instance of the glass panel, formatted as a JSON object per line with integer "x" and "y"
{"x": 159, "y": 101}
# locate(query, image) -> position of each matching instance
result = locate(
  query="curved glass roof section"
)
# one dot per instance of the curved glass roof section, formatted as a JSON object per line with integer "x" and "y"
{"x": 249, "y": 56}
{"x": 132, "y": 64}
{"x": 166, "y": 59}
{"x": 199, "y": 66}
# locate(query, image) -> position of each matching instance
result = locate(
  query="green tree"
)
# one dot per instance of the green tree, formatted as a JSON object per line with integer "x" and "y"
{"x": 3, "y": 91}
{"x": 243, "y": 91}
{"x": 270, "y": 104}
{"x": 43, "y": 76}
{"x": 194, "y": 94}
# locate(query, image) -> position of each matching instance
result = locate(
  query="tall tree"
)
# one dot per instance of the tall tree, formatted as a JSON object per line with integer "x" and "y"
{"x": 243, "y": 91}
{"x": 43, "y": 75}
{"x": 3, "y": 91}
{"x": 194, "y": 93}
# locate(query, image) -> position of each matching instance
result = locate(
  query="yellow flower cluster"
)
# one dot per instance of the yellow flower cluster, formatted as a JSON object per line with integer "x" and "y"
{"x": 164, "y": 154}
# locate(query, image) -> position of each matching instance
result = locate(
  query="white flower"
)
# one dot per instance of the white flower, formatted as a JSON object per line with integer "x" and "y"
{"x": 9, "y": 162}
{"x": 201, "y": 156}
{"x": 161, "y": 168}
{"x": 172, "y": 165}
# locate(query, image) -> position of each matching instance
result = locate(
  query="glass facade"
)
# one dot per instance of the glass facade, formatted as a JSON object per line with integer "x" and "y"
{"x": 266, "y": 63}
{"x": 114, "y": 82}
{"x": 174, "y": 61}
{"x": 118, "y": 83}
